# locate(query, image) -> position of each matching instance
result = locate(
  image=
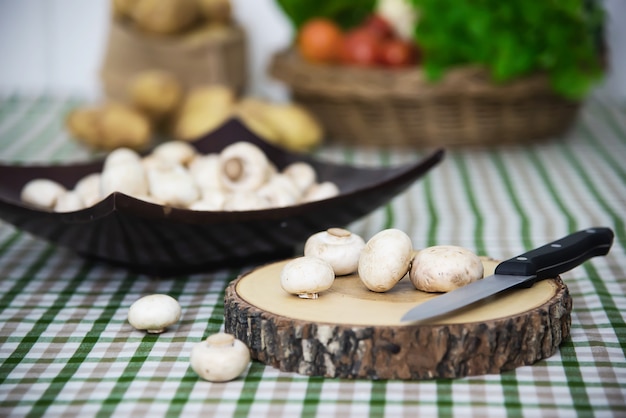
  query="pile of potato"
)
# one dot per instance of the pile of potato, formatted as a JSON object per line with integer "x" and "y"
{"x": 155, "y": 101}
{"x": 158, "y": 102}
{"x": 171, "y": 17}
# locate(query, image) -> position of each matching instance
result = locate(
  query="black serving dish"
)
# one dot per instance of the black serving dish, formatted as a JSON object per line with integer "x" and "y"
{"x": 165, "y": 241}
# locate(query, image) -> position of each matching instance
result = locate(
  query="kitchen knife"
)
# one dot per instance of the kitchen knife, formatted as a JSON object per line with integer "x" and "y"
{"x": 524, "y": 270}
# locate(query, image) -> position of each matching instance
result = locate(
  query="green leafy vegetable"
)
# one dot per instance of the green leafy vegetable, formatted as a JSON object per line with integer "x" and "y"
{"x": 346, "y": 13}
{"x": 513, "y": 38}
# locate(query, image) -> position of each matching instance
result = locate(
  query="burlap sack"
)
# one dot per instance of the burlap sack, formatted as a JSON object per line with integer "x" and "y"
{"x": 208, "y": 55}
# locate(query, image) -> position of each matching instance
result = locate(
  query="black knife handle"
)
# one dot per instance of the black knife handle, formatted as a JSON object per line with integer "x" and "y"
{"x": 559, "y": 256}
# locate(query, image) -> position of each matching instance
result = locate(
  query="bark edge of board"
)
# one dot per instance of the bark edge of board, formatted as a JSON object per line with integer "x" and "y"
{"x": 408, "y": 352}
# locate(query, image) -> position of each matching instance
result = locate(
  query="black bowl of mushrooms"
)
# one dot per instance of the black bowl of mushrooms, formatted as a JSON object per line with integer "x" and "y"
{"x": 167, "y": 227}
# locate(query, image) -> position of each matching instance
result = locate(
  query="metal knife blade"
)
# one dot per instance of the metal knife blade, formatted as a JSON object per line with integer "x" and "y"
{"x": 524, "y": 270}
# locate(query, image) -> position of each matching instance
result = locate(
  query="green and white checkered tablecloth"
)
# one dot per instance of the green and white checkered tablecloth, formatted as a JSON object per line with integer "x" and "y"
{"x": 66, "y": 348}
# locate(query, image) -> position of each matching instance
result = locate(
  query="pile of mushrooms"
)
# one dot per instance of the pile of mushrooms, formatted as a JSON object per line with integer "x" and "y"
{"x": 239, "y": 178}
{"x": 380, "y": 263}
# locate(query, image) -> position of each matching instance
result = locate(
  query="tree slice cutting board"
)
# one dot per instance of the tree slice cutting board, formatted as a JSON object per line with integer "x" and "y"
{"x": 351, "y": 332}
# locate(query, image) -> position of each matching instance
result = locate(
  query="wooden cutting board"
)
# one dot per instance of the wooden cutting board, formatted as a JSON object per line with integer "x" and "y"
{"x": 351, "y": 332}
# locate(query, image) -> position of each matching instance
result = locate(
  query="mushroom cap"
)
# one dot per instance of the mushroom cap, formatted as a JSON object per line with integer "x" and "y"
{"x": 338, "y": 246}
{"x": 385, "y": 260}
{"x": 88, "y": 188}
{"x": 243, "y": 167}
{"x": 303, "y": 174}
{"x": 443, "y": 268}
{"x": 42, "y": 193}
{"x": 279, "y": 191}
{"x": 211, "y": 200}
{"x": 205, "y": 171}
{"x": 321, "y": 191}
{"x": 172, "y": 184}
{"x": 121, "y": 155}
{"x": 243, "y": 201}
{"x": 180, "y": 152}
{"x": 154, "y": 313}
{"x": 306, "y": 275}
{"x": 219, "y": 358}
{"x": 127, "y": 177}
{"x": 68, "y": 202}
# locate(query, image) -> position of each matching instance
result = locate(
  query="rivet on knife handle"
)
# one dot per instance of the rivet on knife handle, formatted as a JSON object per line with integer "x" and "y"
{"x": 559, "y": 256}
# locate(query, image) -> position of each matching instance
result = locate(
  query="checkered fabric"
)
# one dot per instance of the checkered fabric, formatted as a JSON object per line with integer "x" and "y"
{"x": 66, "y": 348}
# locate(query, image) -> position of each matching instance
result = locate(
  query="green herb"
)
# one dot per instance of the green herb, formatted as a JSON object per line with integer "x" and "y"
{"x": 346, "y": 13}
{"x": 513, "y": 38}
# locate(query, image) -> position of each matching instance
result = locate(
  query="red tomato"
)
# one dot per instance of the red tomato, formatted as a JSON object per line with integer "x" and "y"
{"x": 379, "y": 27}
{"x": 398, "y": 53}
{"x": 318, "y": 40}
{"x": 360, "y": 48}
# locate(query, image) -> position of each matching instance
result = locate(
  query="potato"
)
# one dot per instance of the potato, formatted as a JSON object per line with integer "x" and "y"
{"x": 218, "y": 11}
{"x": 157, "y": 93}
{"x": 122, "y": 126}
{"x": 122, "y": 8}
{"x": 165, "y": 16}
{"x": 110, "y": 126}
{"x": 82, "y": 123}
{"x": 298, "y": 128}
{"x": 203, "y": 110}
{"x": 288, "y": 125}
{"x": 251, "y": 112}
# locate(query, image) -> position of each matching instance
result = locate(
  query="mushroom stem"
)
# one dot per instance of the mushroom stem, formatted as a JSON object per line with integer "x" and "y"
{"x": 221, "y": 340}
{"x": 339, "y": 232}
{"x": 233, "y": 169}
{"x": 155, "y": 331}
{"x": 308, "y": 295}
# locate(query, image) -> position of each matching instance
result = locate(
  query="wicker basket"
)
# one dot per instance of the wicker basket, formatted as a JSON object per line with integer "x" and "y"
{"x": 210, "y": 55}
{"x": 400, "y": 108}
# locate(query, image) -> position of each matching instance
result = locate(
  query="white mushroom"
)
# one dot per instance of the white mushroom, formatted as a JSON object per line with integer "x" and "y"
{"x": 180, "y": 152}
{"x": 280, "y": 191}
{"x": 303, "y": 175}
{"x": 150, "y": 161}
{"x": 42, "y": 193}
{"x": 243, "y": 167}
{"x": 243, "y": 201}
{"x": 205, "y": 170}
{"x": 337, "y": 246}
{"x": 306, "y": 277}
{"x": 321, "y": 191}
{"x": 88, "y": 188}
{"x": 209, "y": 202}
{"x": 69, "y": 201}
{"x": 125, "y": 176}
{"x": 154, "y": 313}
{"x": 385, "y": 260}
{"x": 121, "y": 155}
{"x": 219, "y": 358}
{"x": 443, "y": 268}
{"x": 285, "y": 182}
{"x": 171, "y": 183}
